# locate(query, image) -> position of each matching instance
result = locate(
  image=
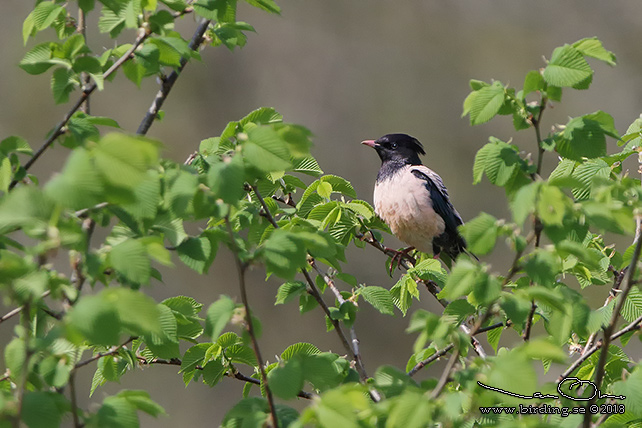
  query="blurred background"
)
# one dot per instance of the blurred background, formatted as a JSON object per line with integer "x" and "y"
{"x": 349, "y": 71}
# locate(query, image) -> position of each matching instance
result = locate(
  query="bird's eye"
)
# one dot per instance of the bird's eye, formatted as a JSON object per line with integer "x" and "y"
{"x": 393, "y": 146}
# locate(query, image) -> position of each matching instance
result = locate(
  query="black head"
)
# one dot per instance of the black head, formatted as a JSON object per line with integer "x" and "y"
{"x": 398, "y": 149}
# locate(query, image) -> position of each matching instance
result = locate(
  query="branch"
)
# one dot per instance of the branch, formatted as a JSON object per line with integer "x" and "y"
{"x": 240, "y": 269}
{"x": 445, "y": 375}
{"x": 529, "y": 322}
{"x": 536, "y": 124}
{"x": 59, "y": 129}
{"x": 113, "y": 351}
{"x": 608, "y": 330}
{"x": 420, "y": 365}
{"x": 353, "y": 334}
{"x": 17, "y": 310}
{"x": 168, "y": 82}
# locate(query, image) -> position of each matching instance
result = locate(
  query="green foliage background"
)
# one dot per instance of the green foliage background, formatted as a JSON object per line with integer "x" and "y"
{"x": 382, "y": 103}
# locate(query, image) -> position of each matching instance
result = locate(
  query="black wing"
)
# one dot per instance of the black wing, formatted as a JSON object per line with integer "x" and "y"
{"x": 450, "y": 241}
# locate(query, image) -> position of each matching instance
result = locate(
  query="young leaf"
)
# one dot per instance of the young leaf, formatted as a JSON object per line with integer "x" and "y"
{"x": 218, "y": 315}
{"x": 485, "y": 103}
{"x": 567, "y": 67}
{"x": 379, "y": 298}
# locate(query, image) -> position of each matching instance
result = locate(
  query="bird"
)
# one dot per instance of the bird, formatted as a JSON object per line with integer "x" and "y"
{"x": 413, "y": 201}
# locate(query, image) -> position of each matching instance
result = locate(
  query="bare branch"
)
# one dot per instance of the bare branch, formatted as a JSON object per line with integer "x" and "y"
{"x": 168, "y": 82}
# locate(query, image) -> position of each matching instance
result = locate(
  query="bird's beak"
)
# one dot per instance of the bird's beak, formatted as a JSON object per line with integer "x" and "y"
{"x": 370, "y": 143}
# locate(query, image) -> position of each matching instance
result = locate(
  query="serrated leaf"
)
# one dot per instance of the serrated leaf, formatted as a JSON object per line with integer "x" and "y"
{"x": 63, "y": 82}
{"x": 585, "y": 173}
{"x": 41, "y": 409}
{"x": 485, "y": 103}
{"x": 533, "y": 82}
{"x": 302, "y": 348}
{"x": 481, "y": 233}
{"x": 265, "y": 150}
{"x": 379, "y": 298}
{"x": 567, "y": 67}
{"x": 130, "y": 259}
{"x": 632, "y": 308}
{"x": 288, "y": 291}
{"x": 195, "y": 253}
{"x": 592, "y": 47}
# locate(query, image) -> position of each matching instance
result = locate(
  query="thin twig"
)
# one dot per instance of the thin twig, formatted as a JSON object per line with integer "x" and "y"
{"x": 529, "y": 322}
{"x": 84, "y": 76}
{"x": 240, "y": 269}
{"x": 445, "y": 375}
{"x": 74, "y": 401}
{"x": 536, "y": 124}
{"x": 112, "y": 351}
{"x": 353, "y": 334}
{"x": 59, "y": 129}
{"x": 168, "y": 82}
{"x": 420, "y": 365}
{"x": 430, "y": 285}
{"x": 12, "y": 313}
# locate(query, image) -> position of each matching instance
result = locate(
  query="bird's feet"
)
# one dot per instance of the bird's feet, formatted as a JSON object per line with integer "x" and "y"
{"x": 398, "y": 256}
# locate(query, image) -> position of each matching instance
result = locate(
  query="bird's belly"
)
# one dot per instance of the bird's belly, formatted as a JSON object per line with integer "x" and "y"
{"x": 406, "y": 207}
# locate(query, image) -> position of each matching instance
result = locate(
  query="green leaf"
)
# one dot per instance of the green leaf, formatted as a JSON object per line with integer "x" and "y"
{"x": 524, "y": 202}
{"x": 39, "y": 59}
{"x": 226, "y": 180}
{"x": 130, "y": 259}
{"x": 485, "y": 103}
{"x": 142, "y": 401}
{"x": 307, "y": 165}
{"x": 403, "y": 292}
{"x": 551, "y": 205}
{"x": 457, "y": 311}
{"x": 266, "y": 5}
{"x": 592, "y": 47}
{"x": 379, "y": 298}
{"x": 97, "y": 320}
{"x": 534, "y": 82}
{"x": 392, "y": 381}
{"x": 632, "y": 308}
{"x": 284, "y": 254}
{"x": 45, "y": 14}
{"x": 481, "y": 233}
{"x": 585, "y": 173}
{"x": 218, "y": 315}
{"x": 567, "y": 67}
{"x": 124, "y": 160}
{"x": 302, "y": 348}
{"x": 63, "y": 82}
{"x": 461, "y": 281}
{"x": 117, "y": 412}
{"x": 213, "y": 372}
{"x": 288, "y": 291}
{"x": 287, "y": 380}
{"x": 542, "y": 267}
{"x": 42, "y": 409}
{"x": 500, "y": 161}
{"x": 241, "y": 354}
{"x": 265, "y": 150}
{"x": 15, "y": 144}
{"x": 196, "y": 253}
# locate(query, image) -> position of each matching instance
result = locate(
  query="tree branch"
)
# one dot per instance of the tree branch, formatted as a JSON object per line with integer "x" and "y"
{"x": 353, "y": 334}
{"x": 608, "y": 330}
{"x": 113, "y": 351}
{"x": 445, "y": 376}
{"x": 12, "y": 313}
{"x": 240, "y": 269}
{"x": 59, "y": 129}
{"x": 168, "y": 82}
